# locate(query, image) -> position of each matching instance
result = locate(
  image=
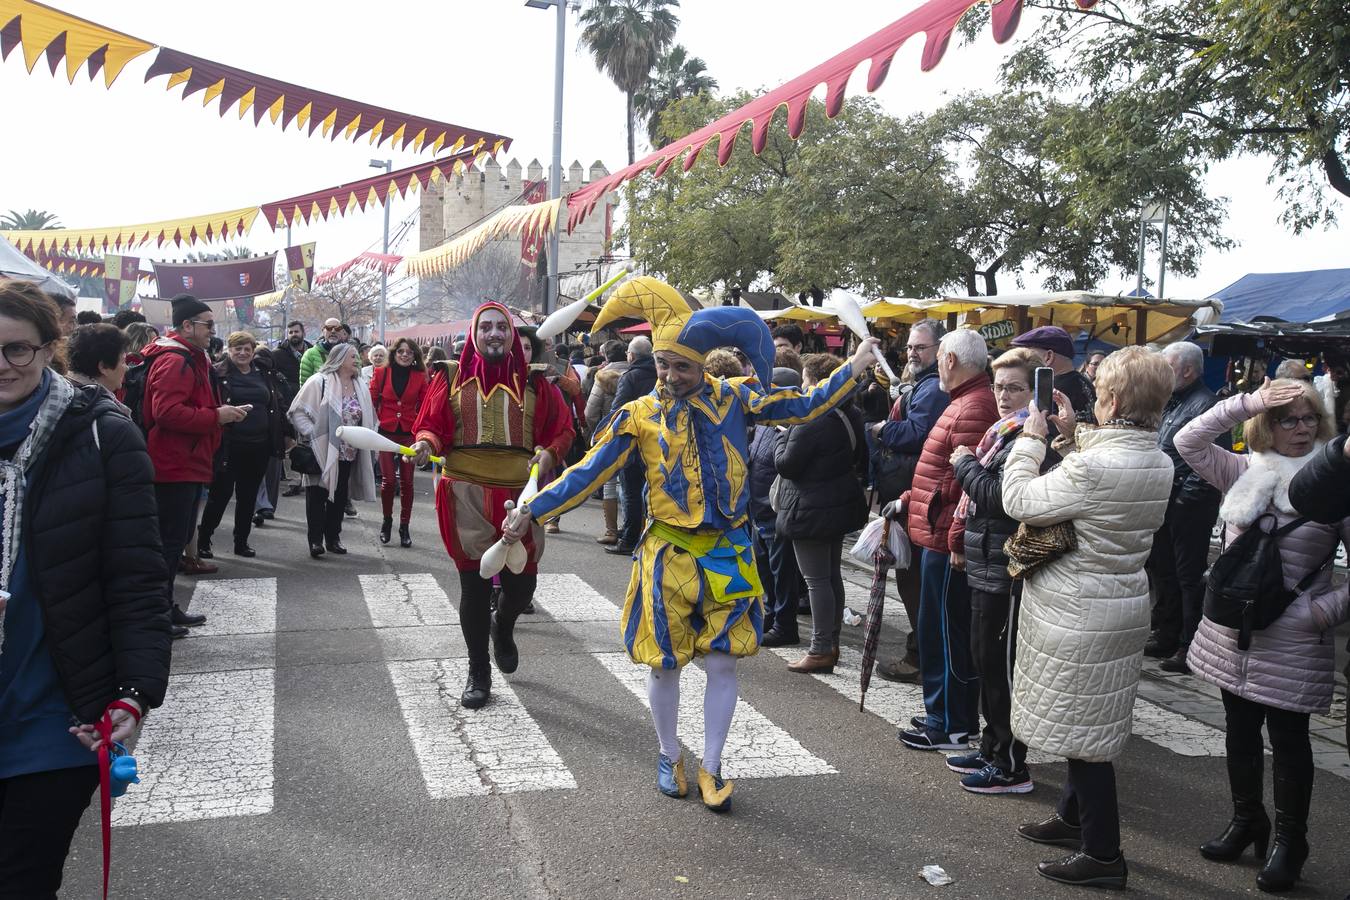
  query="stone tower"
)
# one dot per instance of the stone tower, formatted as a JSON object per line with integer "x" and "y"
{"x": 454, "y": 205}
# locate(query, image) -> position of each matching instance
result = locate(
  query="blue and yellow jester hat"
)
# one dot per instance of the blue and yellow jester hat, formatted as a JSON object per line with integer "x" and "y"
{"x": 690, "y": 333}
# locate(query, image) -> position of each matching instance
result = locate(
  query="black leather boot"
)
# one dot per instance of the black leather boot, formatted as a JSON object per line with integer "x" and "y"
{"x": 504, "y": 649}
{"x": 204, "y": 545}
{"x": 386, "y": 529}
{"x": 1250, "y": 825}
{"x": 404, "y": 538}
{"x": 1293, "y": 793}
{"x": 478, "y": 689}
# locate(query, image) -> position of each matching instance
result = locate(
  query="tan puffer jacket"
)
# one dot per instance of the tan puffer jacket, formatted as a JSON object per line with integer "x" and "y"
{"x": 1292, "y": 663}
{"x": 1085, "y": 615}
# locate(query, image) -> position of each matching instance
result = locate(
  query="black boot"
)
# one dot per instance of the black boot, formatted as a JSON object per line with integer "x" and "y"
{"x": 404, "y": 538}
{"x": 504, "y": 649}
{"x": 204, "y": 545}
{"x": 478, "y": 689}
{"x": 386, "y": 529}
{"x": 1250, "y": 825}
{"x": 241, "y": 548}
{"x": 178, "y": 617}
{"x": 1293, "y": 793}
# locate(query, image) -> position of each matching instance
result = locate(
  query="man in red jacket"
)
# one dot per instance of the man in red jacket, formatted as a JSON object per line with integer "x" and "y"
{"x": 182, "y": 417}
{"x": 951, "y": 688}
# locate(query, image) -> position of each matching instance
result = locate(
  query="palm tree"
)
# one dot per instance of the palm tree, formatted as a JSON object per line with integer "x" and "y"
{"x": 32, "y": 220}
{"x": 627, "y": 37}
{"x": 677, "y": 75}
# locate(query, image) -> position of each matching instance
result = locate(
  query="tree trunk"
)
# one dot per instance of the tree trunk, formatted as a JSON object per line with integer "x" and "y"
{"x": 628, "y": 103}
{"x": 971, "y": 289}
{"x": 1337, "y": 176}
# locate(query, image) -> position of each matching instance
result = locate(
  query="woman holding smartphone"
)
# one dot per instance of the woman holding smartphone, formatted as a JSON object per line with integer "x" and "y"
{"x": 242, "y": 459}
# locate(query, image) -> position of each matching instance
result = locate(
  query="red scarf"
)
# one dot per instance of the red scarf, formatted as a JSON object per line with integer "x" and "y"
{"x": 509, "y": 374}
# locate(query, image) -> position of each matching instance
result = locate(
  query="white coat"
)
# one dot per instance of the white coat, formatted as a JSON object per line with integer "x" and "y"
{"x": 316, "y": 413}
{"x": 1085, "y": 616}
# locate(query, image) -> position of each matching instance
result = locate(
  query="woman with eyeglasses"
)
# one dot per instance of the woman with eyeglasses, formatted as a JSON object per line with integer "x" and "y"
{"x": 1288, "y": 671}
{"x": 86, "y": 628}
{"x": 397, "y": 389}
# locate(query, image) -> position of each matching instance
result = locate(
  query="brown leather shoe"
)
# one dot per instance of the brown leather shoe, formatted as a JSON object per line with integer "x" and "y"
{"x": 814, "y": 663}
{"x": 191, "y": 565}
{"x": 609, "y": 538}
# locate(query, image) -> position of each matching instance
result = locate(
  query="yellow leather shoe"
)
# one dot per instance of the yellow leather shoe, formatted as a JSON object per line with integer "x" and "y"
{"x": 715, "y": 792}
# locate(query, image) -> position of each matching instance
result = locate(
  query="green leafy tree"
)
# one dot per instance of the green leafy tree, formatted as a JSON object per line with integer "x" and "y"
{"x": 29, "y": 220}
{"x": 627, "y": 37}
{"x": 677, "y": 75}
{"x": 983, "y": 189}
{"x": 714, "y": 225}
{"x": 1198, "y": 81}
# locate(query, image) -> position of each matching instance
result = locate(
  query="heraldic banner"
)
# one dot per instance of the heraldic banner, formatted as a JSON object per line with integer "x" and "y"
{"x": 119, "y": 280}
{"x": 218, "y": 280}
{"x": 300, "y": 263}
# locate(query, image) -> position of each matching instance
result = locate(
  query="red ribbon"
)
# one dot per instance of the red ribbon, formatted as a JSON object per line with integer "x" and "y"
{"x": 105, "y": 728}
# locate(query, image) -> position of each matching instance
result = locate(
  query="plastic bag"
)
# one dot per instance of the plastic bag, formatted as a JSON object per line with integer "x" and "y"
{"x": 865, "y": 548}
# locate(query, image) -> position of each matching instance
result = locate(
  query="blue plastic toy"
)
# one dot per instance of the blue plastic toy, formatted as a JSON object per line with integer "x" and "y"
{"x": 122, "y": 770}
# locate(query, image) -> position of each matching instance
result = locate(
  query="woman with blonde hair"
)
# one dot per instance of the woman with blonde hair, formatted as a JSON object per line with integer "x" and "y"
{"x": 1085, "y": 611}
{"x": 1287, "y": 671}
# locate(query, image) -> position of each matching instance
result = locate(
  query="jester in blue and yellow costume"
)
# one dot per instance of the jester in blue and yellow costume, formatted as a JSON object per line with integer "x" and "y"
{"x": 694, "y": 590}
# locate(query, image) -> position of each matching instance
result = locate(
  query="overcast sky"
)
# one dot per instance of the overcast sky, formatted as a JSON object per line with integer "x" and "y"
{"x": 137, "y": 153}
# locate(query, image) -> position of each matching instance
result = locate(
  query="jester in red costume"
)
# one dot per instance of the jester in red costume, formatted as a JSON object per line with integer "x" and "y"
{"x": 492, "y": 418}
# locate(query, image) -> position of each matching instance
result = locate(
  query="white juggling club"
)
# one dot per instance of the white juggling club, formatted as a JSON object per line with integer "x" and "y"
{"x": 514, "y": 555}
{"x": 560, "y": 320}
{"x": 851, "y": 315}
{"x": 367, "y": 439}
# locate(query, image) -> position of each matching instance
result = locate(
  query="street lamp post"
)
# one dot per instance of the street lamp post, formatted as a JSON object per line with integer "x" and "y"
{"x": 555, "y": 170}
{"x": 388, "y": 166}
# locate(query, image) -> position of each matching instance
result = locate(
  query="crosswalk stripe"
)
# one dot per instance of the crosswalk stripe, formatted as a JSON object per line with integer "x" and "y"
{"x": 498, "y": 749}
{"x": 896, "y": 703}
{"x": 567, "y": 598}
{"x": 207, "y": 753}
{"x": 404, "y": 601}
{"x": 755, "y": 748}
{"x": 236, "y": 606}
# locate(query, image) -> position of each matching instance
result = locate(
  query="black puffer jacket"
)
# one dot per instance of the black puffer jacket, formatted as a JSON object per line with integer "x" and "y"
{"x": 988, "y": 527}
{"x": 91, "y": 535}
{"x": 820, "y": 497}
{"x": 1182, "y": 406}
{"x": 1321, "y": 490}
{"x": 763, "y": 447}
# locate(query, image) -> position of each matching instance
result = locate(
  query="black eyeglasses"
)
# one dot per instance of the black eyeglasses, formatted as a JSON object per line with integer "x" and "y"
{"x": 1288, "y": 423}
{"x": 20, "y": 353}
{"x": 210, "y": 326}
{"x": 919, "y": 348}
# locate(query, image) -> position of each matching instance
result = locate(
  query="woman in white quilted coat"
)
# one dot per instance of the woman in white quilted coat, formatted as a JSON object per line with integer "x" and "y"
{"x": 1289, "y": 669}
{"x": 1085, "y": 615}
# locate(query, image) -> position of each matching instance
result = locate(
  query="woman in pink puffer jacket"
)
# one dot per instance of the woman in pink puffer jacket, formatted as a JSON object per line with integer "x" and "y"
{"x": 1289, "y": 670}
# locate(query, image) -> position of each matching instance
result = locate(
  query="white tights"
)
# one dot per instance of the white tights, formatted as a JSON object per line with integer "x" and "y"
{"x": 719, "y": 705}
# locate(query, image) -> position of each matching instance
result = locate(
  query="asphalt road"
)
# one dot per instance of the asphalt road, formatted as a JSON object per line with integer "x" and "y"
{"x": 312, "y": 747}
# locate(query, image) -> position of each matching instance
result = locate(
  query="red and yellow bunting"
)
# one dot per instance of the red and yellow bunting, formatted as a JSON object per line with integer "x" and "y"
{"x": 203, "y": 229}
{"x": 936, "y": 20}
{"x": 42, "y": 30}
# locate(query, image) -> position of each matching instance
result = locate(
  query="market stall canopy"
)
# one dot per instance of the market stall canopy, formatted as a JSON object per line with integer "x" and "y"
{"x": 797, "y": 314}
{"x": 1292, "y": 340}
{"x": 14, "y": 264}
{"x": 1294, "y": 296}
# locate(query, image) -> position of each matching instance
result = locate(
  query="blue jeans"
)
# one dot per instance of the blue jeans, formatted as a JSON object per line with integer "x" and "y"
{"x": 777, "y": 565}
{"x": 951, "y": 685}
{"x": 632, "y": 479}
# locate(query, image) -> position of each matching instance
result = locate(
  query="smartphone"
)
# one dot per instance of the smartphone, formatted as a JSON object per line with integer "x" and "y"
{"x": 1045, "y": 389}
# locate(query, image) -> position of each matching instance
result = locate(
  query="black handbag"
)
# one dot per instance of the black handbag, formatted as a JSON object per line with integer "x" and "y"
{"x": 892, "y": 473}
{"x": 304, "y": 461}
{"x": 1245, "y": 587}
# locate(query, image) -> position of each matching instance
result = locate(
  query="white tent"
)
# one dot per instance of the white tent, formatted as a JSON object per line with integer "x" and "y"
{"x": 13, "y": 264}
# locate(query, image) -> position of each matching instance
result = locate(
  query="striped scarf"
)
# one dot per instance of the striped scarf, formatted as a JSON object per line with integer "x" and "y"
{"x": 57, "y": 394}
{"x": 994, "y": 440}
